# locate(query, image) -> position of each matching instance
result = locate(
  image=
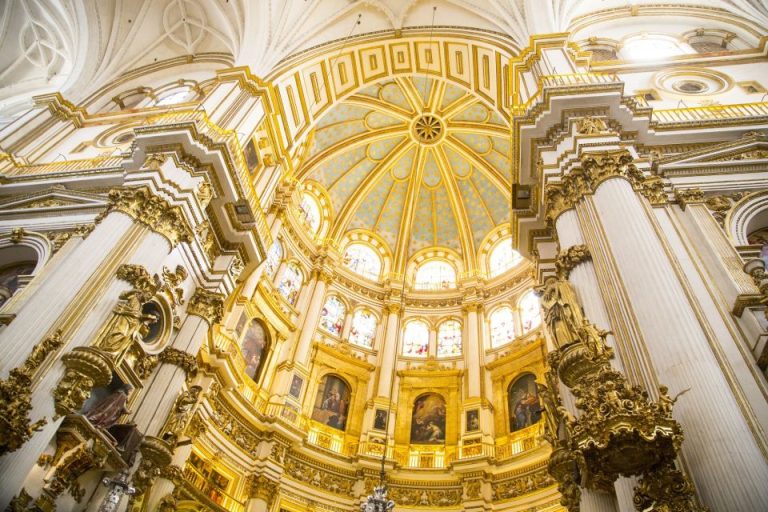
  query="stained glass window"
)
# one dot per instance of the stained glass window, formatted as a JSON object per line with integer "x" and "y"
{"x": 332, "y": 315}
{"x": 363, "y": 328}
{"x": 309, "y": 212}
{"x": 274, "y": 256}
{"x": 363, "y": 260}
{"x": 449, "y": 339}
{"x": 416, "y": 339}
{"x": 530, "y": 312}
{"x": 503, "y": 257}
{"x": 435, "y": 275}
{"x": 502, "y": 327}
{"x": 290, "y": 284}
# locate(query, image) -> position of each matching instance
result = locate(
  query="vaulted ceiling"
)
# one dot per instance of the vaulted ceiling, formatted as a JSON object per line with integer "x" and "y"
{"x": 76, "y": 46}
{"x": 417, "y": 161}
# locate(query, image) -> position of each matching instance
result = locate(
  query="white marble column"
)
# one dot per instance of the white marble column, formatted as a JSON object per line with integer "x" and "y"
{"x": 726, "y": 464}
{"x": 310, "y": 319}
{"x": 389, "y": 352}
{"x": 472, "y": 355}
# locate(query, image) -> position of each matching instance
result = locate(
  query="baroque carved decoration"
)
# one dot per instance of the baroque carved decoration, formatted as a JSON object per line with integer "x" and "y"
{"x": 206, "y": 304}
{"x": 59, "y": 238}
{"x": 524, "y": 484}
{"x": 621, "y": 431}
{"x": 589, "y": 125}
{"x": 721, "y": 204}
{"x": 180, "y": 415}
{"x": 86, "y": 368}
{"x": 596, "y": 168}
{"x": 568, "y": 258}
{"x": 263, "y": 488}
{"x": 156, "y": 455}
{"x": 16, "y": 427}
{"x": 319, "y": 476}
{"x": 684, "y": 197}
{"x": 152, "y": 211}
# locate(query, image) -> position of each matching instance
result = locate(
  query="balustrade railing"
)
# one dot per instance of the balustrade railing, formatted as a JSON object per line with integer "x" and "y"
{"x": 521, "y": 441}
{"x": 209, "y": 494}
{"x": 711, "y": 113}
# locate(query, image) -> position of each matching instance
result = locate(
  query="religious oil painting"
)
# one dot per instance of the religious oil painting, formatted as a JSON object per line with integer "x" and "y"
{"x": 251, "y": 155}
{"x": 524, "y": 408}
{"x": 380, "y": 420}
{"x": 473, "y": 420}
{"x": 428, "y": 420}
{"x": 296, "y": 384}
{"x": 332, "y": 402}
{"x": 253, "y": 347}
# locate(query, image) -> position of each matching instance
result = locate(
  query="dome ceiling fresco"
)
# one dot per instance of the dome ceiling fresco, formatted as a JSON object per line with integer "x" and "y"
{"x": 417, "y": 155}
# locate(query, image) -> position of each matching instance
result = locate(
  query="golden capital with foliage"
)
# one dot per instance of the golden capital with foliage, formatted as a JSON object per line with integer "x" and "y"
{"x": 153, "y": 212}
{"x": 568, "y": 258}
{"x": 207, "y": 304}
{"x": 16, "y": 427}
{"x": 263, "y": 488}
{"x": 86, "y": 368}
{"x": 183, "y": 360}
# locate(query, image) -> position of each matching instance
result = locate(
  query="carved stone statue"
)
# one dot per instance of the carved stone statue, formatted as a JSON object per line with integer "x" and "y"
{"x": 591, "y": 125}
{"x": 181, "y": 413}
{"x": 106, "y": 412}
{"x": 562, "y": 312}
{"x": 127, "y": 326}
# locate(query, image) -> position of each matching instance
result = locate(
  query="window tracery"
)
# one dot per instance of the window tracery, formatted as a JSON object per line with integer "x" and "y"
{"x": 363, "y": 260}
{"x": 530, "y": 312}
{"x": 416, "y": 339}
{"x": 502, "y": 327}
{"x": 503, "y": 257}
{"x": 449, "y": 339}
{"x": 332, "y": 315}
{"x": 435, "y": 275}
{"x": 290, "y": 284}
{"x": 309, "y": 212}
{"x": 274, "y": 257}
{"x": 363, "y": 328}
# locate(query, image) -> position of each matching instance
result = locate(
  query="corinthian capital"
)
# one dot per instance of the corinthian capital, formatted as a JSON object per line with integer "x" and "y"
{"x": 206, "y": 304}
{"x": 151, "y": 211}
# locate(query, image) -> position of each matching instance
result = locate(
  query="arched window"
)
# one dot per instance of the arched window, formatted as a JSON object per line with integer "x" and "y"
{"x": 309, "y": 212}
{"x": 428, "y": 420}
{"x": 274, "y": 257}
{"x": 530, "y": 312}
{"x": 503, "y": 257}
{"x": 435, "y": 275}
{"x": 174, "y": 96}
{"x": 416, "y": 339}
{"x": 363, "y": 260}
{"x": 332, "y": 402}
{"x": 523, "y": 400}
{"x": 449, "y": 339}
{"x": 254, "y": 347}
{"x": 291, "y": 283}
{"x": 650, "y": 47}
{"x": 502, "y": 327}
{"x": 16, "y": 262}
{"x": 332, "y": 315}
{"x": 363, "y": 328}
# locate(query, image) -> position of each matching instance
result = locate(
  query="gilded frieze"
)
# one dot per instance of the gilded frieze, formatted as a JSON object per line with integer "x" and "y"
{"x": 153, "y": 212}
{"x": 319, "y": 475}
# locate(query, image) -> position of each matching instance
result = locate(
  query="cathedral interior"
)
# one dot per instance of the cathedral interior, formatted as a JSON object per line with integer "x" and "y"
{"x": 365, "y": 255}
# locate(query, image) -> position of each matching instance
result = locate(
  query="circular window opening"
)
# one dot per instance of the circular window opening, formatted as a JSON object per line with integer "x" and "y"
{"x": 690, "y": 87}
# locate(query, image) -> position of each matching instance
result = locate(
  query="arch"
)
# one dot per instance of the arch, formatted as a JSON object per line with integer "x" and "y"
{"x": 502, "y": 257}
{"x": 331, "y": 407}
{"x": 312, "y": 207}
{"x": 333, "y": 314}
{"x": 747, "y": 216}
{"x": 523, "y": 402}
{"x": 435, "y": 274}
{"x": 362, "y": 258}
{"x": 20, "y": 260}
{"x": 274, "y": 258}
{"x": 254, "y": 347}
{"x": 428, "y": 419}
{"x": 415, "y": 338}
{"x": 449, "y": 338}
{"x": 363, "y": 329}
{"x": 311, "y": 82}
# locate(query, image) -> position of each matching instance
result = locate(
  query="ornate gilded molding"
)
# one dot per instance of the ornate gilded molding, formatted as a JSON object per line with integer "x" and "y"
{"x": 722, "y": 204}
{"x": 568, "y": 258}
{"x": 589, "y": 125}
{"x": 522, "y": 484}
{"x": 16, "y": 397}
{"x": 180, "y": 358}
{"x": 59, "y": 238}
{"x": 321, "y": 477}
{"x": 153, "y": 212}
{"x": 207, "y": 304}
{"x": 263, "y": 488}
{"x": 595, "y": 169}
{"x": 86, "y": 368}
{"x": 181, "y": 416}
{"x": 687, "y": 196}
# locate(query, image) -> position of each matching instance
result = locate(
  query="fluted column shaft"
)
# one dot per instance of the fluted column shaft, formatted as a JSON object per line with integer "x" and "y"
{"x": 310, "y": 320}
{"x": 724, "y": 459}
{"x": 388, "y": 353}
{"x": 472, "y": 357}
